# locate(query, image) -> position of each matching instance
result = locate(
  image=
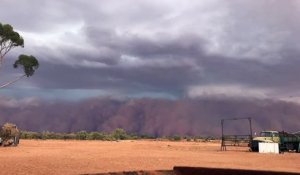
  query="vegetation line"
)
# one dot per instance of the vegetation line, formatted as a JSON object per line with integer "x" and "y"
{"x": 118, "y": 134}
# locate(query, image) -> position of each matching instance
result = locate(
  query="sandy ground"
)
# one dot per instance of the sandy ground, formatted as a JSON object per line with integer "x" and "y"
{"x": 80, "y": 157}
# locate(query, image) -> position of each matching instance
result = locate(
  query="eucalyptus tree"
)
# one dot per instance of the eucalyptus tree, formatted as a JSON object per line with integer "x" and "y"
{"x": 10, "y": 39}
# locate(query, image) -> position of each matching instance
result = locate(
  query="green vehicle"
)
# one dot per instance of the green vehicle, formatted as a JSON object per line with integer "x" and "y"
{"x": 286, "y": 141}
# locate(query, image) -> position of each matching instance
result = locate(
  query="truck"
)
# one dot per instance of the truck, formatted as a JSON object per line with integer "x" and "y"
{"x": 286, "y": 141}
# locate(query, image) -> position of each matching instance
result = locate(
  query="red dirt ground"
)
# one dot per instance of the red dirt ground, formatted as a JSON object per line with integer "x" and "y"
{"x": 82, "y": 157}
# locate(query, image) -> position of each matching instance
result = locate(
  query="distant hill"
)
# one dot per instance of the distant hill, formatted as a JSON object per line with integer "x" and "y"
{"x": 158, "y": 117}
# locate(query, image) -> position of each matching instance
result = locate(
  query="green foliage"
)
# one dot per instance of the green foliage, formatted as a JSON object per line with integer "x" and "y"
{"x": 174, "y": 138}
{"x": 188, "y": 138}
{"x": 95, "y": 136}
{"x": 146, "y": 136}
{"x": 31, "y": 135}
{"x": 119, "y": 134}
{"x": 82, "y": 135}
{"x": 29, "y": 64}
{"x": 71, "y": 136}
{"x": 46, "y": 135}
{"x": 10, "y": 38}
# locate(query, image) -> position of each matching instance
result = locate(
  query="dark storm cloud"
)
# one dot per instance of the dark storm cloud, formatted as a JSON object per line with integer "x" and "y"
{"x": 164, "y": 47}
{"x": 122, "y": 79}
{"x": 265, "y": 29}
{"x": 159, "y": 47}
{"x": 39, "y": 16}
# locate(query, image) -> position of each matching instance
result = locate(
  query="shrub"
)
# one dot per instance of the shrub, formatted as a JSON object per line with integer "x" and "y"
{"x": 71, "y": 136}
{"x": 96, "y": 136}
{"x": 119, "y": 134}
{"x": 82, "y": 135}
{"x": 175, "y": 138}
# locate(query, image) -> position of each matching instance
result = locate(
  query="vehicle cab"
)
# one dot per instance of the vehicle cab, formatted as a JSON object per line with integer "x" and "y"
{"x": 268, "y": 136}
{"x": 265, "y": 137}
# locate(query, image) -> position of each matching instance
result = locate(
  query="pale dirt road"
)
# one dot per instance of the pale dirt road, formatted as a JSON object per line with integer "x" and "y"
{"x": 79, "y": 157}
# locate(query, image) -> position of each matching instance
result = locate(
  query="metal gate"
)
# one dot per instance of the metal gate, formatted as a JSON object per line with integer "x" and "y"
{"x": 236, "y": 140}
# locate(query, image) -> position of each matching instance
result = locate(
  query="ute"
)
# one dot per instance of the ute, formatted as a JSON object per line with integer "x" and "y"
{"x": 286, "y": 141}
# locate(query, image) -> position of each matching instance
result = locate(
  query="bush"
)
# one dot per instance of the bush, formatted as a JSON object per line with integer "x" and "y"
{"x": 71, "y": 136}
{"x": 119, "y": 134}
{"x": 96, "y": 136}
{"x": 82, "y": 135}
{"x": 146, "y": 136}
{"x": 175, "y": 138}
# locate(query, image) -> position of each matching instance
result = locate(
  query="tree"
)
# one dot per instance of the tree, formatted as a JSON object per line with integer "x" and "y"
{"x": 10, "y": 39}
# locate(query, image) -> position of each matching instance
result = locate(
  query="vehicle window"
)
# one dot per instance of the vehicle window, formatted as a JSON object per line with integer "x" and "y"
{"x": 266, "y": 134}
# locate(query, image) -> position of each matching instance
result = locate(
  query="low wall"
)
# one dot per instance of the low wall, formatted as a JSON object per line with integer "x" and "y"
{"x": 220, "y": 171}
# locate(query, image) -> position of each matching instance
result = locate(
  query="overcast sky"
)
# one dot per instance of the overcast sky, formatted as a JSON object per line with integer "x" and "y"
{"x": 150, "y": 48}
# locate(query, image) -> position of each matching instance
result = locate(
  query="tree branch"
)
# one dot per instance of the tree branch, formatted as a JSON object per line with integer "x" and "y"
{"x": 12, "y": 81}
